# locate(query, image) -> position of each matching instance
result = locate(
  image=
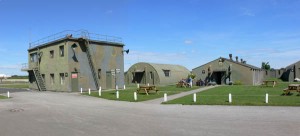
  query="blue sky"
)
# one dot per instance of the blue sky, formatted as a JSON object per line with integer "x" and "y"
{"x": 184, "y": 32}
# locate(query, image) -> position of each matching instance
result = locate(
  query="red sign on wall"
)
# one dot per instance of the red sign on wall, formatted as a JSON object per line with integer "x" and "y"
{"x": 74, "y": 75}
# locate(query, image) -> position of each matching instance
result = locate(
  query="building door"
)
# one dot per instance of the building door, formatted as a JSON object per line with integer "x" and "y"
{"x": 74, "y": 81}
{"x": 137, "y": 77}
{"x": 108, "y": 80}
{"x": 219, "y": 77}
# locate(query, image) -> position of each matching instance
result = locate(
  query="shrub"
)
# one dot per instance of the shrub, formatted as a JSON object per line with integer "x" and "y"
{"x": 237, "y": 82}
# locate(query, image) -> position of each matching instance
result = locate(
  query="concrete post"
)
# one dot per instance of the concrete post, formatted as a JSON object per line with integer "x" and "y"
{"x": 8, "y": 94}
{"x": 165, "y": 97}
{"x": 267, "y": 97}
{"x": 89, "y": 91}
{"x": 100, "y": 89}
{"x": 117, "y": 94}
{"x": 80, "y": 90}
{"x": 135, "y": 96}
{"x": 194, "y": 97}
{"x": 124, "y": 87}
{"x": 230, "y": 99}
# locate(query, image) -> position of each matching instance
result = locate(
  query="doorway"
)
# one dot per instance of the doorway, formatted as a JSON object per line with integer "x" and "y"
{"x": 108, "y": 80}
{"x": 74, "y": 81}
{"x": 219, "y": 77}
{"x": 137, "y": 77}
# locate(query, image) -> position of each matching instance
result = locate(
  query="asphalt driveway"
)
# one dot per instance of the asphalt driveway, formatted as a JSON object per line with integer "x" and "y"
{"x": 33, "y": 113}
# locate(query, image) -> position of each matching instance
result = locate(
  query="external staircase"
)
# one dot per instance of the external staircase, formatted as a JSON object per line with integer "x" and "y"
{"x": 89, "y": 56}
{"x": 39, "y": 80}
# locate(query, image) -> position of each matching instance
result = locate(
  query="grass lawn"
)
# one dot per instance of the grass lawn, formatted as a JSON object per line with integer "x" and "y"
{"x": 14, "y": 86}
{"x": 242, "y": 95}
{"x": 3, "y": 97}
{"x": 127, "y": 95}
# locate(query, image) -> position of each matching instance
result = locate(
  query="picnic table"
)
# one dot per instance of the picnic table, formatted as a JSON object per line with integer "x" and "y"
{"x": 291, "y": 88}
{"x": 147, "y": 89}
{"x": 269, "y": 82}
{"x": 182, "y": 84}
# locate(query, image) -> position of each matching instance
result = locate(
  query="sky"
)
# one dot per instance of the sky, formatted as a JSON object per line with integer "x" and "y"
{"x": 184, "y": 32}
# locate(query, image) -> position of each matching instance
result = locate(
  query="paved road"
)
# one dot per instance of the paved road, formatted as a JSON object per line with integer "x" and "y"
{"x": 69, "y": 114}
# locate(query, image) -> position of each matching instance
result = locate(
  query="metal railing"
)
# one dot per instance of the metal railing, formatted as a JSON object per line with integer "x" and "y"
{"x": 75, "y": 34}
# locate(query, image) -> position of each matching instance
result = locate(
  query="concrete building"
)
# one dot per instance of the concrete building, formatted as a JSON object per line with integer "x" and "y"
{"x": 155, "y": 74}
{"x": 224, "y": 71}
{"x": 291, "y": 72}
{"x": 71, "y": 60}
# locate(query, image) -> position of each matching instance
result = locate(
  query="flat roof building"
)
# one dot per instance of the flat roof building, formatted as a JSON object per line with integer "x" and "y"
{"x": 71, "y": 60}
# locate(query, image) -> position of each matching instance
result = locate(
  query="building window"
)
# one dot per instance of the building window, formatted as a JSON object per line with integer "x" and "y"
{"x": 167, "y": 73}
{"x": 151, "y": 75}
{"x": 52, "y": 79}
{"x": 278, "y": 72}
{"x": 52, "y": 54}
{"x": 33, "y": 57}
{"x": 266, "y": 72}
{"x": 99, "y": 73}
{"x": 62, "y": 78}
{"x": 61, "y": 51}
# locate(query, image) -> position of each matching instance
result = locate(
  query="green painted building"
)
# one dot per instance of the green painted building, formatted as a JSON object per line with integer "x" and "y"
{"x": 155, "y": 74}
{"x": 71, "y": 60}
{"x": 291, "y": 72}
{"x": 225, "y": 71}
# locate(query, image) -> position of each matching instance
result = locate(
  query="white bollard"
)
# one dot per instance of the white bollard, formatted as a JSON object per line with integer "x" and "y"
{"x": 89, "y": 91}
{"x": 80, "y": 90}
{"x": 230, "y": 99}
{"x": 165, "y": 97}
{"x": 124, "y": 87}
{"x": 195, "y": 97}
{"x": 148, "y": 84}
{"x": 7, "y": 94}
{"x": 267, "y": 97}
{"x": 117, "y": 94}
{"x": 138, "y": 85}
{"x": 135, "y": 96}
{"x": 117, "y": 87}
{"x": 100, "y": 89}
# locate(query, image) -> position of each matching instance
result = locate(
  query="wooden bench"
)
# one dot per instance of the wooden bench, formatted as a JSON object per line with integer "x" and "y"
{"x": 292, "y": 88}
{"x": 266, "y": 83}
{"x": 147, "y": 89}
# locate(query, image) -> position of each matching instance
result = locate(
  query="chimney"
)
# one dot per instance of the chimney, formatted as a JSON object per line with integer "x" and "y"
{"x": 236, "y": 58}
{"x": 230, "y": 56}
{"x": 242, "y": 61}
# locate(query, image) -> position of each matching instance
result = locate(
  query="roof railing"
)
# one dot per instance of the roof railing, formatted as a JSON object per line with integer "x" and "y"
{"x": 75, "y": 34}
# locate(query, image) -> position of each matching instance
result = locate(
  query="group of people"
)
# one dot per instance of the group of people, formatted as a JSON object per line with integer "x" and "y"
{"x": 188, "y": 82}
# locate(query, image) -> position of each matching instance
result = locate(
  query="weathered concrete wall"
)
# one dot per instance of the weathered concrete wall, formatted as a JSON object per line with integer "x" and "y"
{"x": 154, "y": 74}
{"x": 238, "y": 72}
{"x": 105, "y": 56}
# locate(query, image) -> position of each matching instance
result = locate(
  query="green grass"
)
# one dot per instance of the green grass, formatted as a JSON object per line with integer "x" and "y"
{"x": 14, "y": 85}
{"x": 127, "y": 95}
{"x": 3, "y": 97}
{"x": 242, "y": 95}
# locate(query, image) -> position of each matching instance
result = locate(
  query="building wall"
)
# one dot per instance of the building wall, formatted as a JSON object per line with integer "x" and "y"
{"x": 291, "y": 72}
{"x": 237, "y": 72}
{"x": 154, "y": 73}
{"x": 105, "y": 56}
{"x": 52, "y": 65}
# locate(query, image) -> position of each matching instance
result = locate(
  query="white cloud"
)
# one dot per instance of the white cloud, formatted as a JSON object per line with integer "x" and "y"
{"x": 188, "y": 42}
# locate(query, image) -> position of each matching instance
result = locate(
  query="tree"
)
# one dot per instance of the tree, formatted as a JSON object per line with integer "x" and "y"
{"x": 265, "y": 65}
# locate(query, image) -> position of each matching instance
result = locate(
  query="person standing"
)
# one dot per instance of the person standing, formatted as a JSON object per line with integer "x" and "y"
{"x": 190, "y": 81}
